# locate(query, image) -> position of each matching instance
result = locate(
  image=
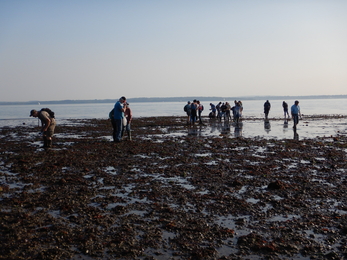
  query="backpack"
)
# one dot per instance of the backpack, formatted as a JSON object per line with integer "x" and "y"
{"x": 50, "y": 112}
{"x": 110, "y": 115}
{"x": 185, "y": 108}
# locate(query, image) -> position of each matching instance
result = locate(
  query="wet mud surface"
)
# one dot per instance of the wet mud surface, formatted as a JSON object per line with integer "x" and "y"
{"x": 173, "y": 192}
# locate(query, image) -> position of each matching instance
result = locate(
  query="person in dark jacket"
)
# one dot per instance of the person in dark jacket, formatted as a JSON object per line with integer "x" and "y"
{"x": 267, "y": 107}
{"x": 48, "y": 125}
{"x": 285, "y": 109}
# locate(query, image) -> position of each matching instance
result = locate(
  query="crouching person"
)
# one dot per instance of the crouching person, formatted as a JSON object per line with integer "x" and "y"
{"x": 48, "y": 125}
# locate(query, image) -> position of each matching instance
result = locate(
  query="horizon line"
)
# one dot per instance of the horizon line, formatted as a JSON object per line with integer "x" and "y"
{"x": 136, "y": 99}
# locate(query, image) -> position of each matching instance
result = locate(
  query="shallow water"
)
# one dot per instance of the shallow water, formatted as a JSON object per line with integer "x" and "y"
{"x": 271, "y": 129}
{"x": 248, "y": 128}
{"x": 252, "y": 108}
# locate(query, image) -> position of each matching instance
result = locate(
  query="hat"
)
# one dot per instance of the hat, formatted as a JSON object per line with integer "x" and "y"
{"x": 32, "y": 112}
{"x": 123, "y": 98}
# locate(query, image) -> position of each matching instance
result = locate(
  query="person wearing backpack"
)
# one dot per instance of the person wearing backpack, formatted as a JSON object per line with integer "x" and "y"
{"x": 48, "y": 125}
{"x": 193, "y": 112}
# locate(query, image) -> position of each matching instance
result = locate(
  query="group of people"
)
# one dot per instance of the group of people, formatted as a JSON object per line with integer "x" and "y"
{"x": 120, "y": 116}
{"x": 294, "y": 110}
{"x": 223, "y": 110}
{"x": 194, "y": 110}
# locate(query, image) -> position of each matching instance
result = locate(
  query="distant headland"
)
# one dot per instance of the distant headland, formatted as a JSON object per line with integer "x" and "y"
{"x": 172, "y": 99}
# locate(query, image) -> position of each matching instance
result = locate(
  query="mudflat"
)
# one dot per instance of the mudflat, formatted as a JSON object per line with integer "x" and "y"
{"x": 212, "y": 191}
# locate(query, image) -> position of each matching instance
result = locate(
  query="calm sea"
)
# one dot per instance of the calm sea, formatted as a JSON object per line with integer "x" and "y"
{"x": 252, "y": 108}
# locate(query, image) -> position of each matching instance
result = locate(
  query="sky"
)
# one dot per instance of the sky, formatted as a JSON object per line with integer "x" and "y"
{"x": 83, "y": 49}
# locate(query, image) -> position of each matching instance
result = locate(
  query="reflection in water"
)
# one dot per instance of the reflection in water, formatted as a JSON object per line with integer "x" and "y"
{"x": 192, "y": 131}
{"x": 225, "y": 128}
{"x": 214, "y": 125}
{"x": 285, "y": 126}
{"x": 195, "y": 130}
{"x": 218, "y": 126}
{"x": 267, "y": 126}
{"x": 238, "y": 129}
{"x": 296, "y": 135}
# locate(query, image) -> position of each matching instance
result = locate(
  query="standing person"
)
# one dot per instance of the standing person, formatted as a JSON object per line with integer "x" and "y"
{"x": 295, "y": 111}
{"x": 118, "y": 116}
{"x": 128, "y": 115}
{"x": 213, "y": 111}
{"x": 233, "y": 109}
{"x": 188, "y": 110}
{"x": 48, "y": 125}
{"x": 241, "y": 107}
{"x": 223, "y": 109}
{"x": 193, "y": 108}
{"x": 285, "y": 109}
{"x": 200, "y": 109}
{"x": 227, "y": 111}
{"x": 219, "y": 110}
{"x": 236, "y": 112}
{"x": 267, "y": 107}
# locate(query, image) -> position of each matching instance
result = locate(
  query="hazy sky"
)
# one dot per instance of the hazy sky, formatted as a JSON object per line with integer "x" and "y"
{"x": 80, "y": 49}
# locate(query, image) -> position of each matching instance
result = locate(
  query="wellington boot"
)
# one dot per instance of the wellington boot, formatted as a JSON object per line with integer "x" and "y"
{"x": 129, "y": 135}
{"x": 49, "y": 143}
{"x": 45, "y": 142}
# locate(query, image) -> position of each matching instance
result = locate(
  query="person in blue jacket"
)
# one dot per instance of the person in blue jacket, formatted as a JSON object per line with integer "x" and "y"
{"x": 117, "y": 120}
{"x": 295, "y": 111}
{"x": 213, "y": 111}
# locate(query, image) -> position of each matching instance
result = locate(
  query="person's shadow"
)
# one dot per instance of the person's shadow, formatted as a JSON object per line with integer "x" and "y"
{"x": 267, "y": 125}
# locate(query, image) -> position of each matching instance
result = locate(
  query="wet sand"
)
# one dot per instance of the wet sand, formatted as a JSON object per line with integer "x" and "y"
{"x": 217, "y": 191}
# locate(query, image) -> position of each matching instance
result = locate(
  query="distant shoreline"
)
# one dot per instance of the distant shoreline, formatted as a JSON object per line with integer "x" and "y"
{"x": 171, "y": 99}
